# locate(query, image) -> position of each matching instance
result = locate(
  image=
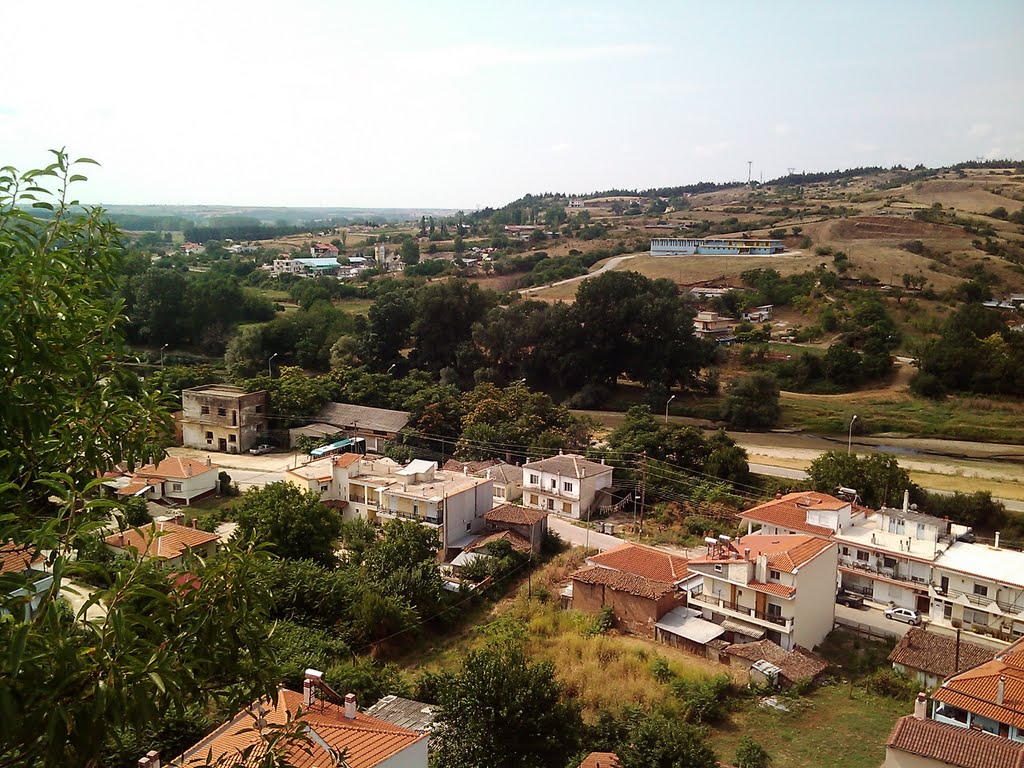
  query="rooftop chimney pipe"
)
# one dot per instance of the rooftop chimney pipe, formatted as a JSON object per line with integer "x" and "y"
{"x": 997, "y": 540}
{"x": 921, "y": 706}
{"x": 350, "y": 706}
{"x": 1000, "y": 691}
{"x": 154, "y": 758}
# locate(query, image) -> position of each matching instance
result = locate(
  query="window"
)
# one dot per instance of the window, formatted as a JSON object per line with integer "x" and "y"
{"x": 231, "y": 439}
{"x": 499, "y": 492}
{"x": 534, "y": 479}
{"x": 567, "y": 487}
{"x": 718, "y": 569}
{"x": 862, "y": 555}
{"x": 259, "y": 409}
{"x": 976, "y": 618}
{"x": 889, "y": 562}
{"x": 175, "y": 486}
{"x": 323, "y": 489}
{"x": 981, "y": 589}
{"x": 774, "y": 575}
{"x": 533, "y": 499}
{"x": 209, "y": 435}
{"x": 554, "y": 484}
{"x": 921, "y": 530}
{"x": 566, "y": 508}
{"x": 222, "y": 411}
{"x": 204, "y": 409}
{"x": 896, "y": 525}
{"x": 846, "y": 551}
{"x": 774, "y": 610}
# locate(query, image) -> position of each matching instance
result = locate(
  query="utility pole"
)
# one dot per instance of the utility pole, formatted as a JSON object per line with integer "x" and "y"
{"x": 750, "y": 164}
{"x": 643, "y": 491}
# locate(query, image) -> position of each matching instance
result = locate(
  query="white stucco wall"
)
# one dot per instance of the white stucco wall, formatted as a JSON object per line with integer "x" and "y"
{"x": 815, "y": 600}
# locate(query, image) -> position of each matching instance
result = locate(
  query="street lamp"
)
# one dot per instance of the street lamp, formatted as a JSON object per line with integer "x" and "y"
{"x": 666, "y": 407}
{"x": 389, "y": 370}
{"x": 849, "y": 439}
{"x": 162, "y": 354}
{"x": 270, "y": 365}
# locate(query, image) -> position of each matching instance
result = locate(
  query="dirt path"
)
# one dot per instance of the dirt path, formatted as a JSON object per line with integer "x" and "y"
{"x": 612, "y": 263}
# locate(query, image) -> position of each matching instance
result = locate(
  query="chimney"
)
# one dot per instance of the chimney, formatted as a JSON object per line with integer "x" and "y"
{"x": 154, "y": 758}
{"x": 746, "y": 553}
{"x": 195, "y": 522}
{"x": 997, "y": 540}
{"x": 209, "y": 462}
{"x": 143, "y": 762}
{"x": 313, "y": 678}
{"x": 120, "y": 540}
{"x": 906, "y": 500}
{"x": 778, "y": 495}
{"x": 350, "y": 706}
{"x": 1000, "y": 691}
{"x": 921, "y": 706}
{"x": 465, "y": 469}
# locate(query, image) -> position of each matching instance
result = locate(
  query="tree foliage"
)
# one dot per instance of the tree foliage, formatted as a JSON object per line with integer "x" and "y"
{"x": 752, "y": 402}
{"x": 293, "y": 521}
{"x": 657, "y": 742}
{"x": 501, "y": 711}
{"x": 877, "y": 478}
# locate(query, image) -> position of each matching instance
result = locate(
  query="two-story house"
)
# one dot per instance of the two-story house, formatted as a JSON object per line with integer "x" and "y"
{"x": 567, "y": 484}
{"x": 165, "y": 540}
{"x": 777, "y": 587}
{"x": 175, "y": 479}
{"x": 975, "y": 719}
{"x": 221, "y": 417}
{"x": 809, "y": 512}
{"x": 508, "y": 478}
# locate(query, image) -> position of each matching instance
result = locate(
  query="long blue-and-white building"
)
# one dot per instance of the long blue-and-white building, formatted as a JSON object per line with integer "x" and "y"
{"x": 715, "y": 246}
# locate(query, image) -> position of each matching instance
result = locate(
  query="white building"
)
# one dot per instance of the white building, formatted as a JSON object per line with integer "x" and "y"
{"x": 777, "y": 587}
{"x": 979, "y": 587}
{"x": 567, "y": 484}
{"x": 452, "y": 503}
{"x": 174, "y": 479}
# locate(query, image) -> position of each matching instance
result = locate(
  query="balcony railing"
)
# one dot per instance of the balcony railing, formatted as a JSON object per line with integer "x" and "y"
{"x": 717, "y": 602}
{"x": 983, "y": 602}
{"x": 895, "y": 574}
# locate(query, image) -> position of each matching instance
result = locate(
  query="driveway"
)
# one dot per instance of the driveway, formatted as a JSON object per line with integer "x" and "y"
{"x": 582, "y": 537}
{"x": 873, "y": 620}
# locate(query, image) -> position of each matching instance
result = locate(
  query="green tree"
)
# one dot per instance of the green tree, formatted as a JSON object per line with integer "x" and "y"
{"x": 877, "y": 478}
{"x": 501, "y": 711}
{"x": 68, "y": 687}
{"x": 135, "y": 511}
{"x": 410, "y": 251}
{"x": 459, "y": 245}
{"x": 292, "y": 520}
{"x": 657, "y": 742}
{"x": 752, "y": 402}
{"x": 750, "y": 754}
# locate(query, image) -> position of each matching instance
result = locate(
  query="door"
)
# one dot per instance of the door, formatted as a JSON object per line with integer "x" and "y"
{"x": 923, "y": 603}
{"x": 222, "y": 445}
{"x": 944, "y": 584}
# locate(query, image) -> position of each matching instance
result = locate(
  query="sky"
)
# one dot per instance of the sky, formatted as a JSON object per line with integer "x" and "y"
{"x": 470, "y": 104}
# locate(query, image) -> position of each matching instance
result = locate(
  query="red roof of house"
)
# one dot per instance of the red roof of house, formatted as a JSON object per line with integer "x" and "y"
{"x": 346, "y": 460}
{"x": 172, "y": 541}
{"x": 600, "y": 760}
{"x": 790, "y": 511}
{"x": 513, "y": 514}
{"x": 16, "y": 558}
{"x": 936, "y": 654}
{"x": 367, "y": 741}
{"x": 519, "y": 542}
{"x": 648, "y": 562}
{"x": 454, "y": 465}
{"x": 787, "y": 552}
{"x": 954, "y": 746}
{"x": 623, "y": 582}
{"x": 176, "y": 468}
{"x": 977, "y": 689}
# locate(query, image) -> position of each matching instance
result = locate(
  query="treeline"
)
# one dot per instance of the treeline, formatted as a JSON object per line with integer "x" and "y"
{"x": 977, "y": 352}
{"x": 243, "y": 230}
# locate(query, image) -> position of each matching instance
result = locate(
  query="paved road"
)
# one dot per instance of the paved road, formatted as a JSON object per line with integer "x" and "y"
{"x": 248, "y": 478}
{"x": 610, "y": 264}
{"x": 874, "y": 619}
{"x": 581, "y": 537}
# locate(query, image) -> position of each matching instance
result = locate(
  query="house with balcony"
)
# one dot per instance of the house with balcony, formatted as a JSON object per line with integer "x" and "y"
{"x": 777, "y": 587}
{"x": 975, "y": 719}
{"x": 567, "y": 484}
{"x": 508, "y": 478}
{"x": 378, "y": 489}
{"x": 889, "y": 556}
{"x": 979, "y": 587}
{"x": 712, "y": 326}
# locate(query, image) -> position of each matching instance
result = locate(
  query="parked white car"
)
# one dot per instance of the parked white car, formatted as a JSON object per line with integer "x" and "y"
{"x": 904, "y": 614}
{"x": 259, "y": 450}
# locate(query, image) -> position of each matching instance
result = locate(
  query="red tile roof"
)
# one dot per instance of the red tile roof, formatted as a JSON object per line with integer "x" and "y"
{"x": 648, "y": 562}
{"x": 569, "y": 465}
{"x": 936, "y": 654}
{"x": 623, "y": 582}
{"x": 600, "y": 760}
{"x": 513, "y": 514}
{"x": 172, "y": 541}
{"x": 367, "y": 741}
{"x": 16, "y": 558}
{"x": 174, "y": 467}
{"x": 977, "y": 689}
{"x": 787, "y": 552}
{"x": 790, "y": 511}
{"x": 347, "y": 459}
{"x": 453, "y": 465}
{"x": 772, "y": 588}
{"x": 953, "y": 745}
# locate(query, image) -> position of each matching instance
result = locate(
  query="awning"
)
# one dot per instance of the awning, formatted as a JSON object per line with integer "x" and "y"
{"x": 743, "y": 629}
{"x": 465, "y": 558}
{"x": 687, "y": 623}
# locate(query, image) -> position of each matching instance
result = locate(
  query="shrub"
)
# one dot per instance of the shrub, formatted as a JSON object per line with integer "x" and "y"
{"x": 888, "y": 682}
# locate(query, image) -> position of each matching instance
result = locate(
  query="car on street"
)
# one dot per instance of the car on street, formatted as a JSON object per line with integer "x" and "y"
{"x": 850, "y": 600}
{"x": 259, "y": 450}
{"x": 904, "y": 614}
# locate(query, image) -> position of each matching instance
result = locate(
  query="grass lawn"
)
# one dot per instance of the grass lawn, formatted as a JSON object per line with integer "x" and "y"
{"x": 270, "y": 294}
{"x": 824, "y": 728}
{"x": 354, "y": 306}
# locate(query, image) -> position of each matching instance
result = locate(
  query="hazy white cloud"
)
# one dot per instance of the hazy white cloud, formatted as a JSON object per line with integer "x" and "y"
{"x": 710, "y": 150}
{"x": 783, "y": 129}
{"x": 979, "y": 130}
{"x": 562, "y": 146}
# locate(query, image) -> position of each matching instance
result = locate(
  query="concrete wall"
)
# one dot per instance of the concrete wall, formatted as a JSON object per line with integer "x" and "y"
{"x": 576, "y": 503}
{"x": 895, "y": 758}
{"x": 815, "y": 601}
{"x": 240, "y": 426}
{"x": 464, "y": 512}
